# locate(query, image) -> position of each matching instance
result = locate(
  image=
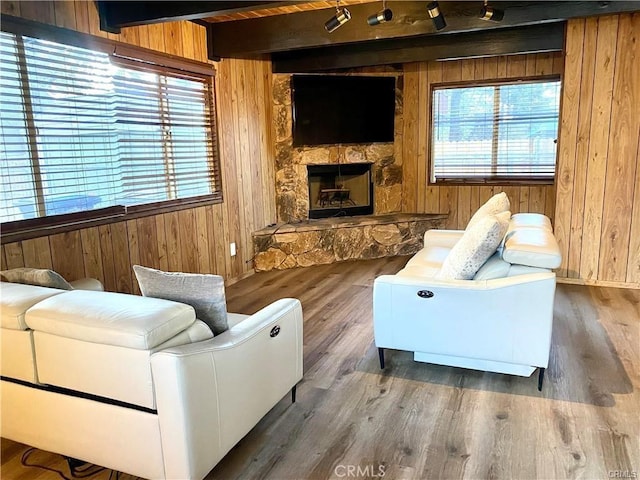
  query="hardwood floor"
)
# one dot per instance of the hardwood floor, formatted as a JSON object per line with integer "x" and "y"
{"x": 415, "y": 420}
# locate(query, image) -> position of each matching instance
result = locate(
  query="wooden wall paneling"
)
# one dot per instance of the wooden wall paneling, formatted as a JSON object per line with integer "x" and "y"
{"x": 156, "y": 37}
{"x": 567, "y": 141}
{"x": 172, "y": 232}
{"x": 544, "y": 64}
{"x": 501, "y": 67}
{"x": 65, "y": 14}
{"x": 243, "y": 185}
{"x": 188, "y": 240}
{"x": 172, "y": 34}
{"x": 13, "y": 255}
{"x": 187, "y": 39}
{"x": 92, "y": 253}
{"x": 255, "y": 150}
{"x": 268, "y": 143}
{"x": 130, "y": 35}
{"x": 3, "y": 259}
{"x": 490, "y": 68}
{"x": 66, "y": 255}
{"x": 122, "y": 257}
{"x": 530, "y": 64}
{"x": 82, "y": 16}
{"x": 633, "y": 265}
{"x": 108, "y": 265}
{"x": 38, "y": 11}
{"x": 579, "y": 179}
{"x": 621, "y": 156}
{"x": 143, "y": 36}
{"x": 432, "y": 200}
{"x": 133, "y": 249}
{"x": 161, "y": 243}
{"x": 516, "y": 66}
{"x": 514, "y": 197}
{"x": 463, "y": 206}
{"x": 203, "y": 251}
{"x": 200, "y": 42}
{"x": 598, "y": 144}
{"x": 537, "y": 197}
{"x": 424, "y": 129}
{"x": 10, "y": 7}
{"x": 146, "y": 229}
{"x": 220, "y": 233}
{"x": 478, "y": 68}
{"x": 410, "y": 137}
{"x": 523, "y": 204}
{"x": 227, "y": 142}
{"x": 36, "y": 253}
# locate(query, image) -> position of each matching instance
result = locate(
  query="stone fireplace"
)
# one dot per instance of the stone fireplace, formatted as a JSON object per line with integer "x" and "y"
{"x": 340, "y": 190}
{"x": 293, "y": 200}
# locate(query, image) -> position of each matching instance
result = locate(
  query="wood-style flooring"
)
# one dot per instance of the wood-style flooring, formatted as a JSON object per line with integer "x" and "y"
{"x": 422, "y": 421}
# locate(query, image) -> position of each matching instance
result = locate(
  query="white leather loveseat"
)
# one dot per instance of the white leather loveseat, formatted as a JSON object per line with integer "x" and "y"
{"x": 499, "y": 321}
{"x": 137, "y": 384}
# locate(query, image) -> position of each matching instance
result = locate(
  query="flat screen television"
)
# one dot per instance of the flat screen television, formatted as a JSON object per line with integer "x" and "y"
{"x": 339, "y": 109}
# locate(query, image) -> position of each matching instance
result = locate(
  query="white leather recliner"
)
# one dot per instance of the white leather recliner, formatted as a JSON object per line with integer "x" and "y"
{"x": 137, "y": 384}
{"x": 500, "y": 321}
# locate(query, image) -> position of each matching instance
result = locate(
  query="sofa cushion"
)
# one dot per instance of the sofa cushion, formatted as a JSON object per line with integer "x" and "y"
{"x": 494, "y": 267}
{"x": 497, "y": 204}
{"x": 110, "y": 318}
{"x": 205, "y": 293}
{"x": 534, "y": 247}
{"x": 477, "y": 244}
{"x": 36, "y": 276}
{"x": 529, "y": 220}
{"x": 16, "y": 299}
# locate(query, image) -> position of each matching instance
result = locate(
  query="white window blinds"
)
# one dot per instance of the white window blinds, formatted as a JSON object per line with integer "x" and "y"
{"x": 82, "y": 130}
{"x": 495, "y": 132}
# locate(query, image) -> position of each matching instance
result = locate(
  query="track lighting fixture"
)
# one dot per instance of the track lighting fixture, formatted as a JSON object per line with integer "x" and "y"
{"x": 436, "y": 15}
{"x": 382, "y": 16}
{"x": 341, "y": 17}
{"x": 491, "y": 14}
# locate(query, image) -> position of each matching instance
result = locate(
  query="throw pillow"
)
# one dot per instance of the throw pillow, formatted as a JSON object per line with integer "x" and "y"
{"x": 497, "y": 204}
{"x": 41, "y": 277}
{"x": 204, "y": 292}
{"x": 475, "y": 246}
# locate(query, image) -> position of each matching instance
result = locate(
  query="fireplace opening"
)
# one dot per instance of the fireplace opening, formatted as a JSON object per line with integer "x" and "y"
{"x": 336, "y": 190}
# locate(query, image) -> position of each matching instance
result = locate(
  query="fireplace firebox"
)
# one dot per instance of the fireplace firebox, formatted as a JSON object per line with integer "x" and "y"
{"x": 336, "y": 190}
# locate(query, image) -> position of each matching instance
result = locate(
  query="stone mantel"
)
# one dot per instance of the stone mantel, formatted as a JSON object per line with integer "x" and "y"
{"x": 329, "y": 240}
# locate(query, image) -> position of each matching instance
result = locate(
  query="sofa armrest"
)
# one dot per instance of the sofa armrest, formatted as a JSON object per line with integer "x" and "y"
{"x": 210, "y": 394}
{"x": 442, "y": 238}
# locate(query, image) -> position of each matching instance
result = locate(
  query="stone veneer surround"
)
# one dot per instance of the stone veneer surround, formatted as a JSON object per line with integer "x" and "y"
{"x": 292, "y": 194}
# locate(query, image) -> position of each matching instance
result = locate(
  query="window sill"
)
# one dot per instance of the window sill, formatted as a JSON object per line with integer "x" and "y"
{"x": 512, "y": 182}
{"x": 38, "y": 227}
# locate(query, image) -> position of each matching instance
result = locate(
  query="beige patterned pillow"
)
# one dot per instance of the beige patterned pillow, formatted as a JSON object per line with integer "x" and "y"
{"x": 204, "y": 292}
{"x": 497, "y": 204}
{"x": 476, "y": 245}
{"x": 41, "y": 277}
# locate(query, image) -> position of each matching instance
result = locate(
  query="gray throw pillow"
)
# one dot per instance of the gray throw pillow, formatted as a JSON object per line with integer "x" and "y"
{"x": 41, "y": 277}
{"x": 205, "y": 293}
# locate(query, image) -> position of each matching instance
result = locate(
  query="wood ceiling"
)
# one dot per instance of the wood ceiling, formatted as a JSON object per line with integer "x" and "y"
{"x": 293, "y": 32}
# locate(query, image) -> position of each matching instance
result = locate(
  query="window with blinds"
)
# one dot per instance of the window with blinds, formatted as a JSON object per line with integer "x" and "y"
{"x": 495, "y": 133}
{"x": 84, "y": 130}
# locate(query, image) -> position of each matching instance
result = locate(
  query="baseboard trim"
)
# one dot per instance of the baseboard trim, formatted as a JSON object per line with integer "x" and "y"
{"x": 242, "y": 276}
{"x": 597, "y": 283}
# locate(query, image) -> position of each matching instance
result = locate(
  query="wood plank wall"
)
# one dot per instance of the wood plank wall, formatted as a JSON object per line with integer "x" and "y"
{"x": 195, "y": 240}
{"x": 460, "y": 202}
{"x": 598, "y": 194}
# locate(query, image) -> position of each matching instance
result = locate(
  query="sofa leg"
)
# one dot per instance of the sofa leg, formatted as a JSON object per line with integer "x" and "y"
{"x": 381, "y": 357}
{"x": 540, "y": 378}
{"x": 293, "y": 394}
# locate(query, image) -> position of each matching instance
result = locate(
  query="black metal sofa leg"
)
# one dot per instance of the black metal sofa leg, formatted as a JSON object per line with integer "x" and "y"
{"x": 540, "y": 378}
{"x": 381, "y": 356}
{"x": 293, "y": 394}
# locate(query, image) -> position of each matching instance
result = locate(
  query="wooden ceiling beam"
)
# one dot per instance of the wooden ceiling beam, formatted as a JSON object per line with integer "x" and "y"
{"x": 305, "y": 30}
{"x": 117, "y": 14}
{"x": 547, "y": 37}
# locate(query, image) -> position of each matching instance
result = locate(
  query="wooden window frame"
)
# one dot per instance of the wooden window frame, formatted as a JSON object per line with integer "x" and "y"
{"x": 502, "y": 181}
{"x": 132, "y": 56}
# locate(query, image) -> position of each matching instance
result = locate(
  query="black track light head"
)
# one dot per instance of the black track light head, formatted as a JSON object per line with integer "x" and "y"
{"x": 341, "y": 17}
{"x": 436, "y": 15}
{"x": 491, "y": 14}
{"x": 381, "y": 17}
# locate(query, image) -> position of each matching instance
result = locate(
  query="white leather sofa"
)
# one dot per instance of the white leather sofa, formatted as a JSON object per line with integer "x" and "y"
{"x": 500, "y": 321}
{"x": 137, "y": 384}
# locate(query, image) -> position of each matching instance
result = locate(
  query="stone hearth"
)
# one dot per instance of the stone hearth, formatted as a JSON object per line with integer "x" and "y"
{"x": 329, "y": 240}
